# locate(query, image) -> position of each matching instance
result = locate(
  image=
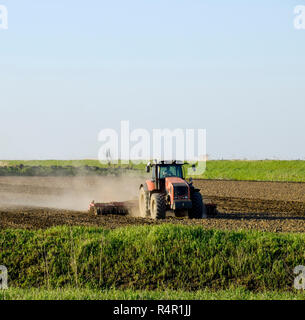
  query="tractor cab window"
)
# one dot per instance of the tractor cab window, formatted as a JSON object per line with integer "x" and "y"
{"x": 153, "y": 174}
{"x": 170, "y": 171}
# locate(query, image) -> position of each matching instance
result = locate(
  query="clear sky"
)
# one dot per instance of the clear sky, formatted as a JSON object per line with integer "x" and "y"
{"x": 71, "y": 68}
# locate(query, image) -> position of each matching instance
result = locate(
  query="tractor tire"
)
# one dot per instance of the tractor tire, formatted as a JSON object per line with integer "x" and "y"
{"x": 198, "y": 210}
{"x": 93, "y": 211}
{"x": 144, "y": 203}
{"x": 157, "y": 206}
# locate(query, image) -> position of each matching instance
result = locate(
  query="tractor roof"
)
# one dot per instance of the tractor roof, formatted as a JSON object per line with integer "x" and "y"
{"x": 166, "y": 162}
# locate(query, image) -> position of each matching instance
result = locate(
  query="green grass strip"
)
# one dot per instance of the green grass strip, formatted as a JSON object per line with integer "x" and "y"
{"x": 164, "y": 257}
{"x": 113, "y": 294}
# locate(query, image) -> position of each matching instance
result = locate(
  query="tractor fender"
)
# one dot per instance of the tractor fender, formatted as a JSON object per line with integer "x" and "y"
{"x": 148, "y": 186}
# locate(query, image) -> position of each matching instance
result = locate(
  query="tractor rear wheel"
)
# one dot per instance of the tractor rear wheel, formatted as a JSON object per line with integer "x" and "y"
{"x": 157, "y": 206}
{"x": 143, "y": 203}
{"x": 198, "y": 210}
{"x": 93, "y": 210}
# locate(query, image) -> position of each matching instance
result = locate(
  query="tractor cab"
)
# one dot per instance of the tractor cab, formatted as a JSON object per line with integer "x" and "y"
{"x": 163, "y": 170}
{"x": 169, "y": 170}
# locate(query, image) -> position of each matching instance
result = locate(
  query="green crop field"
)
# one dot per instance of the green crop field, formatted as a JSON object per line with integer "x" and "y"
{"x": 262, "y": 170}
{"x": 150, "y": 262}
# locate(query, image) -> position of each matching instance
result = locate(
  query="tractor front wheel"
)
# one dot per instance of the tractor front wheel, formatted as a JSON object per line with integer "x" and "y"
{"x": 157, "y": 206}
{"x": 198, "y": 210}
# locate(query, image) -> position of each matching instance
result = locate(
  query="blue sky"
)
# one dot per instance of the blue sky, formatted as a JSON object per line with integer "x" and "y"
{"x": 71, "y": 68}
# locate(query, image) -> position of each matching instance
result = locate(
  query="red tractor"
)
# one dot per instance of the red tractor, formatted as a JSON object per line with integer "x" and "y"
{"x": 168, "y": 190}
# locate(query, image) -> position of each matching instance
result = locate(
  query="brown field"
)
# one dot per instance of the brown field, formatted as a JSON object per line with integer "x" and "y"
{"x": 35, "y": 202}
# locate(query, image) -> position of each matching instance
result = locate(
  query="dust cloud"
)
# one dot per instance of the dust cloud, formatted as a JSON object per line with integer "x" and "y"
{"x": 72, "y": 193}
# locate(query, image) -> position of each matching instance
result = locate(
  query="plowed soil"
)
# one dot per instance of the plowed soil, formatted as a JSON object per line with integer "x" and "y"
{"x": 38, "y": 203}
